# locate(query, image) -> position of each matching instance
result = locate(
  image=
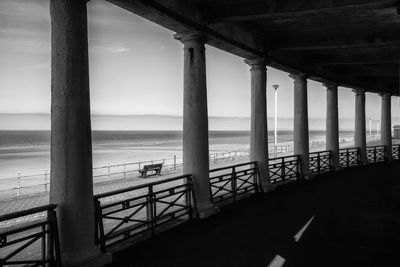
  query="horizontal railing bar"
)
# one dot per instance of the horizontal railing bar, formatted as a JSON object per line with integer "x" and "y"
{"x": 121, "y": 201}
{"x": 21, "y": 213}
{"x": 123, "y": 190}
{"x": 233, "y": 166}
{"x": 284, "y": 157}
{"x": 26, "y": 227}
{"x": 140, "y": 205}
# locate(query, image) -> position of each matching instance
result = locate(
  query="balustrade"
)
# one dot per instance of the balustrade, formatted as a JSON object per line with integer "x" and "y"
{"x": 123, "y": 214}
{"x": 284, "y": 169}
{"x": 233, "y": 181}
{"x": 321, "y": 162}
{"x": 30, "y": 238}
{"x": 375, "y": 154}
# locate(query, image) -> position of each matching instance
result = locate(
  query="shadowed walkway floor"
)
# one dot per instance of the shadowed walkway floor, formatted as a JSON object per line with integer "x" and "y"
{"x": 353, "y": 219}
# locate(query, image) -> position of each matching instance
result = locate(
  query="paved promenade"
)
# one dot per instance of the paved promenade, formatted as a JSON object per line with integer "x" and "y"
{"x": 31, "y": 201}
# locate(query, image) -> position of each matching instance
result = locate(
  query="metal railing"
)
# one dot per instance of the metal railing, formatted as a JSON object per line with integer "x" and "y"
{"x": 396, "y": 151}
{"x": 320, "y": 162}
{"x": 232, "y": 181}
{"x": 284, "y": 169}
{"x": 349, "y": 157}
{"x": 125, "y": 213}
{"x": 23, "y": 184}
{"x": 375, "y": 154}
{"x": 40, "y": 237}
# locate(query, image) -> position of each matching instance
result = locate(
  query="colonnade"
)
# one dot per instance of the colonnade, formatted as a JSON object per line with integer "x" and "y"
{"x": 71, "y": 144}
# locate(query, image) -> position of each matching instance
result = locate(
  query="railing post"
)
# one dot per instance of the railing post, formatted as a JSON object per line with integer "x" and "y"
{"x": 149, "y": 210}
{"x": 233, "y": 183}
{"x": 45, "y": 180}
{"x": 99, "y": 227}
{"x": 256, "y": 178}
{"x": 108, "y": 172}
{"x": 139, "y": 165}
{"x": 283, "y": 172}
{"x": 53, "y": 240}
{"x": 318, "y": 163}
{"x": 188, "y": 197}
{"x": 124, "y": 169}
{"x": 18, "y": 184}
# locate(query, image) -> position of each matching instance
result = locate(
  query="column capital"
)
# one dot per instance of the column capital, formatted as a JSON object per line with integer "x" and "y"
{"x": 191, "y": 36}
{"x": 385, "y": 95}
{"x": 257, "y": 63}
{"x": 358, "y": 91}
{"x": 299, "y": 77}
{"x": 331, "y": 86}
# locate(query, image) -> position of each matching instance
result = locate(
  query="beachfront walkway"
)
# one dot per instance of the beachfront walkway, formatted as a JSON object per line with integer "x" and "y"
{"x": 31, "y": 201}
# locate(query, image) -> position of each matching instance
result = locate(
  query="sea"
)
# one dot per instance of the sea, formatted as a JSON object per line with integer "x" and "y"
{"x": 28, "y": 152}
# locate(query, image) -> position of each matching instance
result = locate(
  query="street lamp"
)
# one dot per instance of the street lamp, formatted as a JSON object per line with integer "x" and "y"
{"x": 370, "y": 125}
{"x": 276, "y": 116}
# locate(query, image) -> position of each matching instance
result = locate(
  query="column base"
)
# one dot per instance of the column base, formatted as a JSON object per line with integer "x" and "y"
{"x": 268, "y": 187}
{"x": 207, "y": 210}
{"x": 92, "y": 258}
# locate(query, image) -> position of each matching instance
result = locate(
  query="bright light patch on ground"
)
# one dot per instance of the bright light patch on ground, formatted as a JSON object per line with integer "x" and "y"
{"x": 277, "y": 261}
{"x": 302, "y": 230}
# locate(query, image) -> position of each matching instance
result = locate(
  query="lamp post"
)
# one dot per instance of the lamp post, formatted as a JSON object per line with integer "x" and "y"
{"x": 276, "y": 117}
{"x": 370, "y": 125}
{"x": 338, "y": 111}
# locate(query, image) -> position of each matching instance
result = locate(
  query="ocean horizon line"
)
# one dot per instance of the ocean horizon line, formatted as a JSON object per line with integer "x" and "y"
{"x": 163, "y": 115}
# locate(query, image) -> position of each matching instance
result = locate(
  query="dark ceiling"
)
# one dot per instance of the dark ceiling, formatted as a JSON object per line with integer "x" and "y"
{"x": 352, "y": 42}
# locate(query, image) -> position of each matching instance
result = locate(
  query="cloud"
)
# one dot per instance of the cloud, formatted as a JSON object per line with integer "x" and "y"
{"x": 106, "y": 49}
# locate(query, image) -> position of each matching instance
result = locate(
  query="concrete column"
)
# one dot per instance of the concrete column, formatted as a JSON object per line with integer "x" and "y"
{"x": 360, "y": 138}
{"x": 332, "y": 123}
{"x": 386, "y": 124}
{"x": 71, "y": 143}
{"x": 195, "y": 119}
{"x": 259, "y": 128}
{"x": 300, "y": 130}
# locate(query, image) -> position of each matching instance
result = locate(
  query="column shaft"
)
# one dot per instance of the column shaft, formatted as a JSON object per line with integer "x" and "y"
{"x": 360, "y": 138}
{"x": 332, "y": 123}
{"x": 195, "y": 119}
{"x": 259, "y": 128}
{"x": 386, "y": 124}
{"x": 300, "y": 130}
{"x": 71, "y": 143}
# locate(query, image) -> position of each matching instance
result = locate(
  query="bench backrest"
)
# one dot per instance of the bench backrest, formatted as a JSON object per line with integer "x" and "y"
{"x": 152, "y": 166}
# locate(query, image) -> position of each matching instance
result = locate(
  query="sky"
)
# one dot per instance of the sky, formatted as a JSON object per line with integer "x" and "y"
{"x": 136, "y": 67}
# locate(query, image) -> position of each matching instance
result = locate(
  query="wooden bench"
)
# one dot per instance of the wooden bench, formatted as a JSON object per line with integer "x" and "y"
{"x": 153, "y": 168}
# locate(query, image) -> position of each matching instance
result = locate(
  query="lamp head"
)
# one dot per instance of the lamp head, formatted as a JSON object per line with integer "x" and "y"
{"x": 275, "y": 86}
